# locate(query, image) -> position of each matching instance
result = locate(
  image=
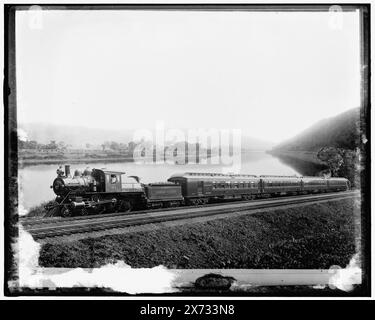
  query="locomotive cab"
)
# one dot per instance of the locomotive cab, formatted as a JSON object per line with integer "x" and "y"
{"x": 115, "y": 181}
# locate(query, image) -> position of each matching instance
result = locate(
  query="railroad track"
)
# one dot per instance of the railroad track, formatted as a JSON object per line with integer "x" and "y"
{"x": 34, "y": 221}
{"x": 61, "y": 227}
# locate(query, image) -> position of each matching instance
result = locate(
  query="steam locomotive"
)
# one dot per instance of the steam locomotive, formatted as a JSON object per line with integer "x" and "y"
{"x": 100, "y": 191}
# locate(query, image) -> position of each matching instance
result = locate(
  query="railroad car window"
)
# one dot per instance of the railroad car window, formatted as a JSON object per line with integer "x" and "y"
{"x": 113, "y": 178}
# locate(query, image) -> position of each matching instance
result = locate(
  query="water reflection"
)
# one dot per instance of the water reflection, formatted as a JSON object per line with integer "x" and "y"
{"x": 305, "y": 168}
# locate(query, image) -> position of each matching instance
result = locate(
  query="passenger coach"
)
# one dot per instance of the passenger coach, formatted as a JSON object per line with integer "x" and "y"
{"x": 199, "y": 188}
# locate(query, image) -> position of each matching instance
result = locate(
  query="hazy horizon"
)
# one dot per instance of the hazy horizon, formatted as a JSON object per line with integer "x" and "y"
{"x": 119, "y": 134}
{"x": 269, "y": 74}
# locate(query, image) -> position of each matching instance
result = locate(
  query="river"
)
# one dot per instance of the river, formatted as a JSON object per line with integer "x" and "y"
{"x": 35, "y": 181}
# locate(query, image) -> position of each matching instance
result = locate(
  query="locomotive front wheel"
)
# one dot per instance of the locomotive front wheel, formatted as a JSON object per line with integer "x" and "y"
{"x": 66, "y": 212}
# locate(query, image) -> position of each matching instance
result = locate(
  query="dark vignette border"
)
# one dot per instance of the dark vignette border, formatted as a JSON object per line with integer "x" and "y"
{"x": 365, "y": 143}
{"x": 11, "y": 151}
{"x": 10, "y": 147}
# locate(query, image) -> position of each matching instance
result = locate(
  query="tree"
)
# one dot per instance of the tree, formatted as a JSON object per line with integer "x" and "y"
{"x": 114, "y": 145}
{"x": 342, "y": 163}
{"x": 131, "y": 146}
{"x": 61, "y": 145}
{"x": 106, "y": 145}
{"x": 52, "y": 145}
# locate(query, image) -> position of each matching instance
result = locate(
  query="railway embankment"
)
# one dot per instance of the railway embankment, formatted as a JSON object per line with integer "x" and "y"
{"x": 311, "y": 236}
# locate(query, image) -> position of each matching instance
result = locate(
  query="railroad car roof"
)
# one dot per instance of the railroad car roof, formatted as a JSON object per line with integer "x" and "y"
{"x": 221, "y": 176}
{"x": 281, "y": 178}
{"x": 161, "y": 184}
{"x": 110, "y": 171}
{"x": 212, "y": 176}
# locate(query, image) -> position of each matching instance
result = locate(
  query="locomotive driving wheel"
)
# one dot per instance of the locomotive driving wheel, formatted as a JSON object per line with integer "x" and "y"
{"x": 124, "y": 206}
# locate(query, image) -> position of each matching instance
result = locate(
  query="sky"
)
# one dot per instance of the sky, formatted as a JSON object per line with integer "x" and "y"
{"x": 269, "y": 74}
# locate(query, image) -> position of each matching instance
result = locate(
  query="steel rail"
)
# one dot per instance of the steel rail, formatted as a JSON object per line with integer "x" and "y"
{"x": 66, "y": 228}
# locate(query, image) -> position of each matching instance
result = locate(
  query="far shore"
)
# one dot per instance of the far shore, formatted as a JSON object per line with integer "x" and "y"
{"x": 66, "y": 160}
{"x": 31, "y": 162}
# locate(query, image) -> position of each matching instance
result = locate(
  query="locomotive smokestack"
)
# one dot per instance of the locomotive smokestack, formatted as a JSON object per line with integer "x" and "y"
{"x": 67, "y": 170}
